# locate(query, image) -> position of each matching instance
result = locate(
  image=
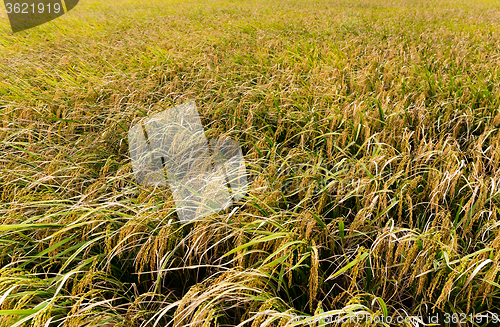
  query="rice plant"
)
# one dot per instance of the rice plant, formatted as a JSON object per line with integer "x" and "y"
{"x": 370, "y": 130}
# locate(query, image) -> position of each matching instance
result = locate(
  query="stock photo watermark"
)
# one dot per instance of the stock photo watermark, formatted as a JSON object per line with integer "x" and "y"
{"x": 25, "y": 14}
{"x": 435, "y": 319}
{"x": 170, "y": 148}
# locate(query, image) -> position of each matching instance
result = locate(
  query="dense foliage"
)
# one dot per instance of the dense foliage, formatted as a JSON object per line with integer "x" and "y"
{"x": 370, "y": 128}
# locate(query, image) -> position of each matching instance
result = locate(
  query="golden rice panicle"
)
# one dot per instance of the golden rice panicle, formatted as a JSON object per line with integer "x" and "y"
{"x": 313, "y": 276}
{"x": 180, "y": 314}
{"x": 310, "y": 227}
{"x": 355, "y": 270}
{"x": 436, "y": 282}
{"x": 409, "y": 258}
{"x": 267, "y": 305}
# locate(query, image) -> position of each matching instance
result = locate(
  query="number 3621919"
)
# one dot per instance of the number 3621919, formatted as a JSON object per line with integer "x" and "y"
{"x": 25, "y": 8}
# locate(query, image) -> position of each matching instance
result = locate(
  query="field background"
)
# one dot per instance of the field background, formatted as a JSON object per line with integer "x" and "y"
{"x": 371, "y": 130}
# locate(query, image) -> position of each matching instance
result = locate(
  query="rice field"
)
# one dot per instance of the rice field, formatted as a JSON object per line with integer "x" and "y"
{"x": 370, "y": 130}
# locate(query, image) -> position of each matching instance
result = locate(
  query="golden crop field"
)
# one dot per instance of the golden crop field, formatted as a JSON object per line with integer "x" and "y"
{"x": 370, "y": 130}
